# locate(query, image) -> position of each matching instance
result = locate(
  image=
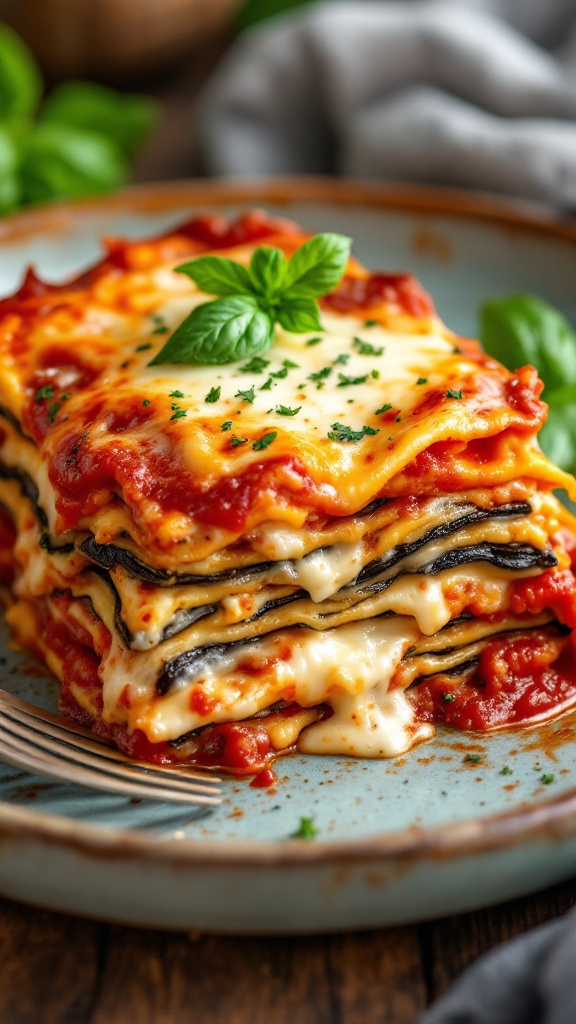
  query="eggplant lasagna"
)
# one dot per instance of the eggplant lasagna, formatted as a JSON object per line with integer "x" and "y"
{"x": 328, "y": 548}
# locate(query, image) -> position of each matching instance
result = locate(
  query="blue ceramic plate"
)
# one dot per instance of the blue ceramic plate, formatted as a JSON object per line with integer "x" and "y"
{"x": 429, "y": 834}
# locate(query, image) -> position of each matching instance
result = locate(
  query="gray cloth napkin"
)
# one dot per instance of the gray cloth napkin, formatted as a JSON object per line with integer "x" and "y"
{"x": 530, "y": 980}
{"x": 478, "y": 93}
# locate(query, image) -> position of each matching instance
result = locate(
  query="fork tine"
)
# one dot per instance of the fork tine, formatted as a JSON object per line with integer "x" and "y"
{"x": 66, "y": 757}
{"x": 49, "y": 725}
{"x": 60, "y": 769}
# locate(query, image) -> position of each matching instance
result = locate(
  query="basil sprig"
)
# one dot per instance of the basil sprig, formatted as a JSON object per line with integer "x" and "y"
{"x": 240, "y": 322}
{"x": 521, "y": 329}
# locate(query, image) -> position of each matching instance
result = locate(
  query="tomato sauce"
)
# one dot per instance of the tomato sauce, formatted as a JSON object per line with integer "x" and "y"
{"x": 516, "y": 682}
{"x": 358, "y": 293}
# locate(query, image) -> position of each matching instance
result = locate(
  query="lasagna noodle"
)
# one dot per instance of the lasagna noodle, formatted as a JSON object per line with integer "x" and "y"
{"x": 175, "y": 582}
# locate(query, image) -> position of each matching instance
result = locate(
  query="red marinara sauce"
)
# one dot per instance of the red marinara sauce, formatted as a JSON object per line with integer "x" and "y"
{"x": 517, "y": 681}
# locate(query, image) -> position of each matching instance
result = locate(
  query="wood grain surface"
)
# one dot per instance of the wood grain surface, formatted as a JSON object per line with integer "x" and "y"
{"x": 56, "y": 969}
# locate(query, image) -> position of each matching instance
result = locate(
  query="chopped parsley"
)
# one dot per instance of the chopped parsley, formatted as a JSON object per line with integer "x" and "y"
{"x": 267, "y": 385}
{"x": 473, "y": 758}
{"x": 306, "y": 829}
{"x": 290, "y": 365}
{"x": 370, "y": 323}
{"x": 366, "y": 349}
{"x": 505, "y": 770}
{"x": 547, "y": 779}
{"x": 280, "y": 374}
{"x": 255, "y": 365}
{"x": 422, "y": 380}
{"x": 342, "y": 359}
{"x": 179, "y": 414}
{"x": 453, "y": 394}
{"x": 226, "y": 425}
{"x": 146, "y": 401}
{"x": 214, "y": 394}
{"x": 320, "y": 376}
{"x": 375, "y": 374}
{"x": 342, "y": 432}
{"x": 143, "y": 348}
{"x": 65, "y": 395}
{"x": 176, "y": 394}
{"x": 44, "y": 541}
{"x": 246, "y": 396}
{"x": 160, "y": 330}
{"x": 53, "y": 411}
{"x": 344, "y": 381}
{"x": 457, "y": 351}
{"x": 263, "y": 442}
{"x": 383, "y": 408}
{"x": 235, "y": 441}
{"x": 285, "y": 410}
{"x": 314, "y": 341}
{"x": 447, "y": 698}
{"x": 45, "y": 392}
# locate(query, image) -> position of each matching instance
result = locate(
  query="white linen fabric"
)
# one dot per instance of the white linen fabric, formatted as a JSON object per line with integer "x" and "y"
{"x": 478, "y": 93}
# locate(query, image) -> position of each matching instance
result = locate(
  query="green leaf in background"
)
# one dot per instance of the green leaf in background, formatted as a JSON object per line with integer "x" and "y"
{"x": 20, "y": 79}
{"x": 60, "y": 161}
{"x": 10, "y": 192}
{"x": 127, "y": 119}
{"x": 522, "y": 328}
{"x": 558, "y": 435}
{"x": 257, "y": 10}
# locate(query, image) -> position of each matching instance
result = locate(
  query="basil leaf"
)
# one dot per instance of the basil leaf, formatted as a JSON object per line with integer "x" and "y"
{"x": 299, "y": 316}
{"x": 256, "y": 10}
{"x": 59, "y": 161}
{"x": 218, "y": 276}
{"x": 221, "y": 331}
{"x": 558, "y": 436}
{"x": 268, "y": 270}
{"x": 20, "y": 79}
{"x": 316, "y": 267}
{"x": 9, "y": 173}
{"x": 523, "y": 329}
{"x": 126, "y": 119}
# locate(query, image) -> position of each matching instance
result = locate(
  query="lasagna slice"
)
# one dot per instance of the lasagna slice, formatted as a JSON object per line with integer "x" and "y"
{"x": 329, "y": 547}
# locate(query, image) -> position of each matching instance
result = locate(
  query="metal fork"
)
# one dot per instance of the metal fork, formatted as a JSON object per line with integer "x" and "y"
{"x": 38, "y": 742}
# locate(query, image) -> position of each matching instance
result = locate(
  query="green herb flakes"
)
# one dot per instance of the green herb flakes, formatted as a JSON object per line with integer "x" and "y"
{"x": 263, "y": 442}
{"x": 344, "y": 381}
{"x": 246, "y": 396}
{"x": 146, "y": 402}
{"x": 382, "y": 409}
{"x": 342, "y": 432}
{"x": 314, "y": 341}
{"x": 285, "y": 410}
{"x": 214, "y": 394}
{"x": 143, "y": 348}
{"x": 176, "y": 394}
{"x": 47, "y": 391}
{"x": 364, "y": 348}
{"x": 306, "y": 829}
{"x": 179, "y": 414}
{"x": 236, "y": 441}
{"x": 453, "y": 394}
{"x": 547, "y": 779}
{"x": 422, "y": 380}
{"x": 473, "y": 758}
{"x": 255, "y": 365}
{"x": 505, "y": 770}
{"x": 227, "y": 425}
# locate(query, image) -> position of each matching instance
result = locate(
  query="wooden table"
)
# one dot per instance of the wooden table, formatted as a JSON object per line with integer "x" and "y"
{"x": 56, "y": 969}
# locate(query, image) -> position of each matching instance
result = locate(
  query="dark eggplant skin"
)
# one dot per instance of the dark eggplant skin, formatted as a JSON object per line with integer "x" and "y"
{"x": 108, "y": 555}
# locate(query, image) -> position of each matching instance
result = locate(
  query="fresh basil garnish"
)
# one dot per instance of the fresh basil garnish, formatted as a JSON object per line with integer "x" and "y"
{"x": 522, "y": 328}
{"x": 219, "y": 332}
{"x": 240, "y": 322}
